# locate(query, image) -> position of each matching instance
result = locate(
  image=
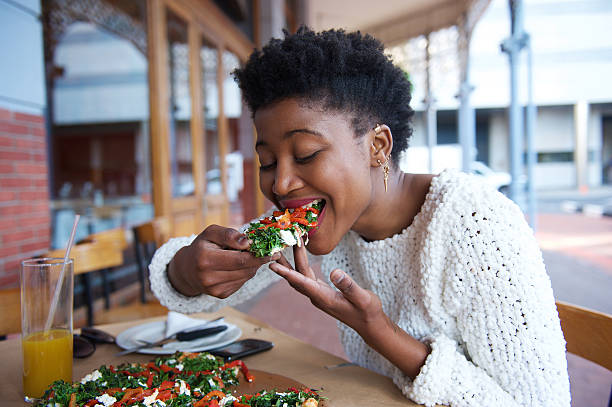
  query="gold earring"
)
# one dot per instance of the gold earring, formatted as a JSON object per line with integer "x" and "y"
{"x": 377, "y": 129}
{"x": 385, "y": 167}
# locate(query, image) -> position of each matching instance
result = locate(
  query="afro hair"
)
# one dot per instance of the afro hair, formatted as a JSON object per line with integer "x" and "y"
{"x": 346, "y": 72}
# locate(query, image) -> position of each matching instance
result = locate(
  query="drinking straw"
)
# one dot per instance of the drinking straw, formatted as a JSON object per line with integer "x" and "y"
{"x": 58, "y": 287}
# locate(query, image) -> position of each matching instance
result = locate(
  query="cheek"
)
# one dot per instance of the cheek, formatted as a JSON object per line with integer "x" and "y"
{"x": 266, "y": 180}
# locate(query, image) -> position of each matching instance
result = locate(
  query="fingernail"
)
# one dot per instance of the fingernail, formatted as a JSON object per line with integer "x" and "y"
{"x": 275, "y": 256}
{"x": 337, "y": 277}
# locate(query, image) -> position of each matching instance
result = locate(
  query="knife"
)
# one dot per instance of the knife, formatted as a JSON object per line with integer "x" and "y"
{"x": 185, "y": 335}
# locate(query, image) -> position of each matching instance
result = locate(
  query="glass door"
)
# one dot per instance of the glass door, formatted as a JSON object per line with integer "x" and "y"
{"x": 190, "y": 146}
{"x": 215, "y": 199}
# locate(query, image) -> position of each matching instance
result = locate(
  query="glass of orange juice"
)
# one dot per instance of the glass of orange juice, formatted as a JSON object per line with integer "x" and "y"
{"x": 46, "y": 345}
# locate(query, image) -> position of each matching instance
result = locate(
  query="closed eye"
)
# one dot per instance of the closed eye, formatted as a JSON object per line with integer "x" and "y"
{"x": 267, "y": 166}
{"x": 308, "y": 158}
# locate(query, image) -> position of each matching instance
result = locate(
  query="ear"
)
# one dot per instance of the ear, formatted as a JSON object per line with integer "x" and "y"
{"x": 381, "y": 144}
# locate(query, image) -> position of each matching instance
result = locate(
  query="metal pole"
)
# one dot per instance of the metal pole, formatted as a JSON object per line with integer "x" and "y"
{"x": 465, "y": 117}
{"x": 531, "y": 154}
{"x": 512, "y": 46}
{"x": 430, "y": 111}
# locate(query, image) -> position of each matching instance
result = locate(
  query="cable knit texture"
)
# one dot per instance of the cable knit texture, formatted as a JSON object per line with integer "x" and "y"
{"x": 467, "y": 278}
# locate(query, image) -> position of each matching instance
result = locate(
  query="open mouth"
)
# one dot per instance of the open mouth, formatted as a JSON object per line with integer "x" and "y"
{"x": 320, "y": 205}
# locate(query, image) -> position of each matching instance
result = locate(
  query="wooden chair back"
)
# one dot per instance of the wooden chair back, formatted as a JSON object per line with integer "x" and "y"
{"x": 147, "y": 238}
{"x": 10, "y": 308}
{"x": 155, "y": 231}
{"x": 91, "y": 256}
{"x": 114, "y": 237}
{"x": 588, "y": 333}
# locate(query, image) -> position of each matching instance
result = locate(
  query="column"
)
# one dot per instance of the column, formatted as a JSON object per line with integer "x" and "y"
{"x": 581, "y": 153}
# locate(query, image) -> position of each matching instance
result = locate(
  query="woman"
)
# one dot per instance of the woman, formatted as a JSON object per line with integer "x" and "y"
{"x": 439, "y": 282}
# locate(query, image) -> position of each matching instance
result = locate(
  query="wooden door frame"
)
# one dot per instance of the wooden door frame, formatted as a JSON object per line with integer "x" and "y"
{"x": 203, "y": 18}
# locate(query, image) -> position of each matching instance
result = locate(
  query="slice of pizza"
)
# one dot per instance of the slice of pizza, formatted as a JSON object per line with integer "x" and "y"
{"x": 284, "y": 228}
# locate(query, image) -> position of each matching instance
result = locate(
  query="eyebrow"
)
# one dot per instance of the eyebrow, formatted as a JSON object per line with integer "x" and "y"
{"x": 290, "y": 133}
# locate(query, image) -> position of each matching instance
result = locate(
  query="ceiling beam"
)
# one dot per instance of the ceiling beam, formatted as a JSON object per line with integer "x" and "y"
{"x": 424, "y": 21}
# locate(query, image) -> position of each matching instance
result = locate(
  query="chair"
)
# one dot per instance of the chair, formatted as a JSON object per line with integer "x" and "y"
{"x": 147, "y": 238}
{"x": 115, "y": 238}
{"x": 588, "y": 334}
{"x": 10, "y": 307}
{"x": 89, "y": 257}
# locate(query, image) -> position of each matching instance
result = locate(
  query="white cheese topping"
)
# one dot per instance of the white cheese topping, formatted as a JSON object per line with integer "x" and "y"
{"x": 288, "y": 237}
{"x": 93, "y": 376}
{"x": 276, "y": 250}
{"x": 180, "y": 367}
{"x": 227, "y": 400}
{"x": 183, "y": 389}
{"x": 149, "y": 400}
{"x": 106, "y": 400}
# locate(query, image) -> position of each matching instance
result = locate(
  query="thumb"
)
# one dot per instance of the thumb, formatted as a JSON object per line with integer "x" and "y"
{"x": 344, "y": 283}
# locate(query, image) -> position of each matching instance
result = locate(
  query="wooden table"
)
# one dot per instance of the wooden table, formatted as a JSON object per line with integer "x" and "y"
{"x": 343, "y": 386}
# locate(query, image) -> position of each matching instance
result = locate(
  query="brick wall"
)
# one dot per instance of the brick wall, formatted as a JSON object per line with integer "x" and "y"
{"x": 24, "y": 198}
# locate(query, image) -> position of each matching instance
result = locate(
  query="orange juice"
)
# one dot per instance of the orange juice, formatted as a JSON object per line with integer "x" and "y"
{"x": 47, "y": 356}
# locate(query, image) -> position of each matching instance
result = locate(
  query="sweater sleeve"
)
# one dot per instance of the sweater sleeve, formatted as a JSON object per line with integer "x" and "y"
{"x": 510, "y": 349}
{"x": 173, "y": 300}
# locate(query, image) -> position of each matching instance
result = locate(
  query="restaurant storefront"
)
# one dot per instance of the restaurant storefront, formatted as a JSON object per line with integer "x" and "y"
{"x": 145, "y": 119}
{"x": 122, "y": 111}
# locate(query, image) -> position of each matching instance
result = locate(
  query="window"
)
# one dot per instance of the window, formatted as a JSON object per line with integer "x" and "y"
{"x": 99, "y": 109}
{"x": 180, "y": 107}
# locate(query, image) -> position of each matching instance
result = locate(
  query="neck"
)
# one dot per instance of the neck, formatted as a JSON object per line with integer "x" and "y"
{"x": 390, "y": 212}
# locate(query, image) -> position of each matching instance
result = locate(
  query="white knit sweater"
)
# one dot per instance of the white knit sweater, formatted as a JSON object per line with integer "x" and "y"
{"x": 467, "y": 277}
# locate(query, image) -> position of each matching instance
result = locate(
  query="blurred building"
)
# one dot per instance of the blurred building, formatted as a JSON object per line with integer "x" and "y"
{"x": 572, "y": 58}
{"x": 124, "y": 110}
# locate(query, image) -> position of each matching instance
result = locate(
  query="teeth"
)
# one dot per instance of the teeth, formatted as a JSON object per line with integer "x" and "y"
{"x": 316, "y": 201}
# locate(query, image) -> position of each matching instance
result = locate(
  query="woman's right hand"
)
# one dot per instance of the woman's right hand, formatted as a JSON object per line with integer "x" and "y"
{"x": 216, "y": 263}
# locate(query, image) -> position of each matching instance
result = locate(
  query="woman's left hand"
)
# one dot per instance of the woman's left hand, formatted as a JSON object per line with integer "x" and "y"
{"x": 355, "y": 306}
{"x": 358, "y": 308}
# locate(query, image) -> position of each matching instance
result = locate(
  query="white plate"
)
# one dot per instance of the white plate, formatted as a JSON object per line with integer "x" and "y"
{"x": 154, "y": 331}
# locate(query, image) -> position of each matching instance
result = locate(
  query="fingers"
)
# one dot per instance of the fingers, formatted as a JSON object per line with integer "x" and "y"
{"x": 299, "y": 282}
{"x": 300, "y": 256}
{"x": 226, "y": 289}
{"x": 220, "y": 259}
{"x": 349, "y": 289}
{"x": 226, "y": 237}
{"x": 283, "y": 260}
{"x": 214, "y": 278}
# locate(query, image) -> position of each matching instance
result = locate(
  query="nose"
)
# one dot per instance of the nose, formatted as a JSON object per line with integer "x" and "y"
{"x": 286, "y": 179}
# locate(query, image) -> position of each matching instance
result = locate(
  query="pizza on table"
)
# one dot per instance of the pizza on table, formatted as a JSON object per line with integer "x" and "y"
{"x": 179, "y": 380}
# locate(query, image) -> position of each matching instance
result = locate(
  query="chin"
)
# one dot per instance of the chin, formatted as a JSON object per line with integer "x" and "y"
{"x": 320, "y": 248}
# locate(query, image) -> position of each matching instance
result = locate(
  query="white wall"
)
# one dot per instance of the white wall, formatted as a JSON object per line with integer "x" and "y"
{"x": 555, "y": 176}
{"x": 572, "y": 46}
{"x": 554, "y": 133}
{"x": 554, "y": 130}
{"x": 22, "y": 80}
{"x": 498, "y": 142}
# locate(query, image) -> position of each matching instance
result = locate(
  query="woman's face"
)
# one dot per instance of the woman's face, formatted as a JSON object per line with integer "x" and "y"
{"x": 307, "y": 153}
